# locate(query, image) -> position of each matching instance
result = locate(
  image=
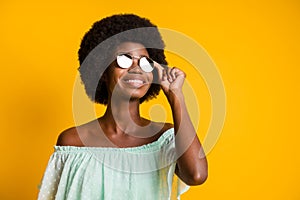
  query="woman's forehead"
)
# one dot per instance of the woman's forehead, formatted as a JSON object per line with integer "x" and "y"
{"x": 132, "y": 47}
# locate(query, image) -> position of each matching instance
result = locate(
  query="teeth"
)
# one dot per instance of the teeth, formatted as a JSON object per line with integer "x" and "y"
{"x": 134, "y": 81}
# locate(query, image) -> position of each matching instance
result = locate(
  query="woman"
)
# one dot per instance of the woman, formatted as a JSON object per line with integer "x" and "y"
{"x": 122, "y": 155}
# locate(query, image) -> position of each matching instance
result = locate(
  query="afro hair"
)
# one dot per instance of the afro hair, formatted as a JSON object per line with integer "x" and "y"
{"x": 116, "y": 29}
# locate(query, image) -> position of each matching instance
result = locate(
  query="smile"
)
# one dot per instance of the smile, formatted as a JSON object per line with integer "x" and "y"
{"x": 134, "y": 81}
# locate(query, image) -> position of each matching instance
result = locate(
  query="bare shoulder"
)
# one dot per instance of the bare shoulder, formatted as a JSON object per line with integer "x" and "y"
{"x": 162, "y": 126}
{"x": 75, "y": 135}
{"x": 69, "y": 137}
{"x": 167, "y": 126}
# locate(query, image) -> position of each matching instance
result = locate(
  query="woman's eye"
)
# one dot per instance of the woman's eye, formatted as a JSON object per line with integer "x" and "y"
{"x": 124, "y": 61}
{"x": 146, "y": 65}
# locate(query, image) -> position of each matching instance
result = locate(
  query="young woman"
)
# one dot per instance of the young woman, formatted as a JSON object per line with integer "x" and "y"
{"x": 122, "y": 155}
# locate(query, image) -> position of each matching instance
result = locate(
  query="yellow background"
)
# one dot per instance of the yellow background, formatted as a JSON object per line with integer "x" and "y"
{"x": 255, "y": 45}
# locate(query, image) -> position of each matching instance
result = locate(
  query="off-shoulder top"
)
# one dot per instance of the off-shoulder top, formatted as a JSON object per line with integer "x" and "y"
{"x": 107, "y": 173}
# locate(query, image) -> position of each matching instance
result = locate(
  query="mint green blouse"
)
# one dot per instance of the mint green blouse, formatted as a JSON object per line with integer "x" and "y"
{"x": 108, "y": 173}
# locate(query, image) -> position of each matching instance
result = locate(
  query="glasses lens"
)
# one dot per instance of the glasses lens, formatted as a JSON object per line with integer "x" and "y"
{"x": 124, "y": 60}
{"x": 146, "y": 64}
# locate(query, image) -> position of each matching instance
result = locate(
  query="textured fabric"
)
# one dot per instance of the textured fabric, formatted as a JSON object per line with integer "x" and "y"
{"x": 104, "y": 173}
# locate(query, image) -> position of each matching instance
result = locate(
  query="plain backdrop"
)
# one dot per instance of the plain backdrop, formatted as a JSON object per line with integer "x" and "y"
{"x": 254, "y": 44}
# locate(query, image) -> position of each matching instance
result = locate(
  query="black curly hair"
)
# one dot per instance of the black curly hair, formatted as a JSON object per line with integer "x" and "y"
{"x": 94, "y": 57}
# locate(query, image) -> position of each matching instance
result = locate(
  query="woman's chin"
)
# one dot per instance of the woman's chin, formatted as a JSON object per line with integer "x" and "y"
{"x": 131, "y": 93}
{"x": 128, "y": 95}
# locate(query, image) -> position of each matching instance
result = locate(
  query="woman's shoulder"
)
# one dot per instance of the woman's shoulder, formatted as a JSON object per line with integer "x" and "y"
{"x": 69, "y": 137}
{"x": 75, "y": 135}
{"x": 165, "y": 126}
{"x": 160, "y": 128}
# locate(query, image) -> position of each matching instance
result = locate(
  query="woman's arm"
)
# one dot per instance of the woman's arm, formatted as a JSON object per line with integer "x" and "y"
{"x": 192, "y": 164}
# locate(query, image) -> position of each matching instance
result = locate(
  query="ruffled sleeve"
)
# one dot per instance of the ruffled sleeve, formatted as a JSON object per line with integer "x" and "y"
{"x": 178, "y": 188}
{"x": 51, "y": 179}
{"x": 103, "y": 173}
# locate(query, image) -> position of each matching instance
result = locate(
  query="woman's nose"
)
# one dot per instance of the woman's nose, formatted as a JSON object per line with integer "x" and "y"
{"x": 135, "y": 68}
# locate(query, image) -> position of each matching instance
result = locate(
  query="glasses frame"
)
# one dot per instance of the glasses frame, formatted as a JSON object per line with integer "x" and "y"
{"x": 132, "y": 57}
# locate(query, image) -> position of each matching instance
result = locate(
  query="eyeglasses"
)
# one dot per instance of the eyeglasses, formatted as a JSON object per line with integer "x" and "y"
{"x": 126, "y": 60}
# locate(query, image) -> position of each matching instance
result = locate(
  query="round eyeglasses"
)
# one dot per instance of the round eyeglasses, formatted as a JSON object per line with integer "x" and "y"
{"x": 126, "y": 60}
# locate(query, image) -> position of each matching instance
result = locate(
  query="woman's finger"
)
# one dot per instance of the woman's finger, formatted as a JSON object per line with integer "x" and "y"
{"x": 173, "y": 72}
{"x": 170, "y": 78}
{"x": 164, "y": 75}
{"x": 160, "y": 70}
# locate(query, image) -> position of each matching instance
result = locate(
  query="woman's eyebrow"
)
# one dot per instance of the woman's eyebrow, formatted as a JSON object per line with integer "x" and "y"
{"x": 142, "y": 55}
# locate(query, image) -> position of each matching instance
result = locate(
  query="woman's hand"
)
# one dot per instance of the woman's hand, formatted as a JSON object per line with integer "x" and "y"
{"x": 171, "y": 79}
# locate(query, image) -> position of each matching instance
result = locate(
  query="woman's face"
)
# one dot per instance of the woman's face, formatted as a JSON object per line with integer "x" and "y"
{"x": 132, "y": 82}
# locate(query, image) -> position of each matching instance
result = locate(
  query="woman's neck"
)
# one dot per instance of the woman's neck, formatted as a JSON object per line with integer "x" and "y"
{"x": 123, "y": 116}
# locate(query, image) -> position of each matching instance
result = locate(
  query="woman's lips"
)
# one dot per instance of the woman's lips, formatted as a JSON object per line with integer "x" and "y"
{"x": 136, "y": 83}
